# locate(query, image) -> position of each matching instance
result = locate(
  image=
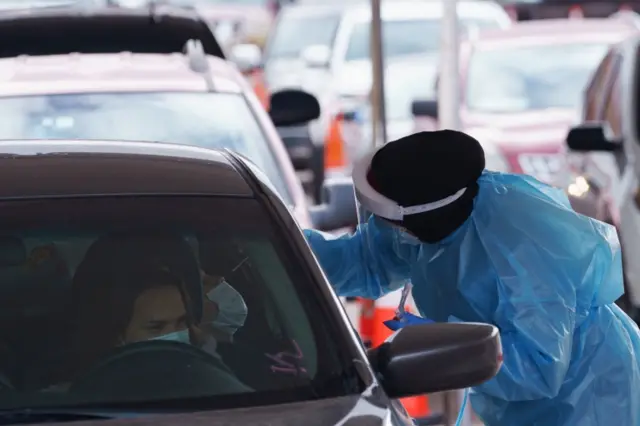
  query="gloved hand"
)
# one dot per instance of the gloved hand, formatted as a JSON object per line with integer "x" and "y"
{"x": 405, "y": 319}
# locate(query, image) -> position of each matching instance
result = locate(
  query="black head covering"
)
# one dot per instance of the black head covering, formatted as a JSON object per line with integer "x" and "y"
{"x": 427, "y": 167}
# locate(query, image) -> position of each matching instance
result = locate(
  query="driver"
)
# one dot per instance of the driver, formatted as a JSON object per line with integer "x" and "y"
{"x": 129, "y": 289}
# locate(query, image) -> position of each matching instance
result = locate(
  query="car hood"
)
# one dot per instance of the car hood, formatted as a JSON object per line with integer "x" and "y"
{"x": 530, "y": 131}
{"x": 358, "y": 410}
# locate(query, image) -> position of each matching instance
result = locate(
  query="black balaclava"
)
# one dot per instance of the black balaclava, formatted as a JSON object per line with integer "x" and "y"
{"x": 427, "y": 167}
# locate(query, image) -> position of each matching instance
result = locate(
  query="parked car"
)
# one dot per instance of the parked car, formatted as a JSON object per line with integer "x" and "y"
{"x": 323, "y": 48}
{"x": 295, "y": 357}
{"x": 153, "y": 94}
{"x": 604, "y": 149}
{"x": 521, "y": 90}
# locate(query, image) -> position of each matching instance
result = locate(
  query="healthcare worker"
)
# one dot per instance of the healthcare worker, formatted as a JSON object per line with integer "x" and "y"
{"x": 503, "y": 249}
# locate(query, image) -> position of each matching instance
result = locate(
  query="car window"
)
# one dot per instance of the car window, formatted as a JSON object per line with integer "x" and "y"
{"x": 294, "y": 33}
{"x": 522, "y": 78}
{"x": 406, "y": 37}
{"x": 207, "y": 120}
{"x": 114, "y": 300}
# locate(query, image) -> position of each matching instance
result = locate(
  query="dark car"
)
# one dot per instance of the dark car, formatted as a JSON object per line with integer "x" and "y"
{"x": 104, "y": 250}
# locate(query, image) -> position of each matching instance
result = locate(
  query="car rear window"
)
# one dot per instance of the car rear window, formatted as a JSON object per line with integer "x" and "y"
{"x": 407, "y": 37}
{"x": 113, "y": 300}
{"x": 295, "y": 32}
{"x": 536, "y": 77}
{"x": 207, "y": 120}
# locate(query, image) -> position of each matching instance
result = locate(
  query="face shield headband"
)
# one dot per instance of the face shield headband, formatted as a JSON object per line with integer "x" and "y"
{"x": 379, "y": 205}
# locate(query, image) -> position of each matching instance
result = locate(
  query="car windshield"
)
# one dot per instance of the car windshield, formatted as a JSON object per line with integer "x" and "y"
{"x": 523, "y": 78}
{"x": 160, "y": 301}
{"x": 407, "y": 37}
{"x": 295, "y": 33}
{"x": 207, "y": 120}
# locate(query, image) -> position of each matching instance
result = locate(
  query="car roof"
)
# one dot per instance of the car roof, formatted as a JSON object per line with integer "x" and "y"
{"x": 127, "y": 72}
{"x": 553, "y": 29}
{"x": 60, "y": 30}
{"x": 65, "y": 168}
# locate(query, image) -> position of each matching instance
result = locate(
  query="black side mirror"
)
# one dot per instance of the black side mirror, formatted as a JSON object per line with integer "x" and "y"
{"x": 291, "y": 107}
{"x": 448, "y": 356}
{"x": 338, "y": 209}
{"x": 425, "y": 108}
{"x": 591, "y": 137}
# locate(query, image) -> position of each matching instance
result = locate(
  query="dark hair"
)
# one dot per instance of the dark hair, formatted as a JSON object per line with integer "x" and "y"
{"x": 103, "y": 305}
{"x": 112, "y": 275}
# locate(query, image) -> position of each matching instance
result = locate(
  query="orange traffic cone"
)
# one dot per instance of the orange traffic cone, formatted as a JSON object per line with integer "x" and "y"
{"x": 385, "y": 309}
{"x": 367, "y": 310}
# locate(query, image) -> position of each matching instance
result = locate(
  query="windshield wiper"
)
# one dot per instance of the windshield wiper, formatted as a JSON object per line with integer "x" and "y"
{"x": 49, "y": 415}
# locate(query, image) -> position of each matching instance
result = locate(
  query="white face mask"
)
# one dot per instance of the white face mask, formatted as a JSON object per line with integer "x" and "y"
{"x": 232, "y": 309}
{"x": 177, "y": 336}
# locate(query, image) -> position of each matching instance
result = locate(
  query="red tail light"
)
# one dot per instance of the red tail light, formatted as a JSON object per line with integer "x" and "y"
{"x": 575, "y": 12}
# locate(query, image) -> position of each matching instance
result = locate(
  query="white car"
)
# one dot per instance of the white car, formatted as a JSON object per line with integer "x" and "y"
{"x": 324, "y": 48}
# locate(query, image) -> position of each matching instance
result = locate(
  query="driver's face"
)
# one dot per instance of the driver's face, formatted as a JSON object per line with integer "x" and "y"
{"x": 156, "y": 312}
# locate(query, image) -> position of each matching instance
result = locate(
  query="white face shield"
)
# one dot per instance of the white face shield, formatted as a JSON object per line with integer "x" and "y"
{"x": 371, "y": 201}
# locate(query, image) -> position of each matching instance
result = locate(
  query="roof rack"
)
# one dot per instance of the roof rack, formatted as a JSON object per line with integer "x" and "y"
{"x": 198, "y": 61}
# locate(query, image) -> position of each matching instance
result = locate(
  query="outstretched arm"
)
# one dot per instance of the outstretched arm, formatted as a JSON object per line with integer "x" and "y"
{"x": 364, "y": 264}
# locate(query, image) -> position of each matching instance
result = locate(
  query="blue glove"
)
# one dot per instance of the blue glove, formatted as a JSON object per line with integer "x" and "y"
{"x": 404, "y": 320}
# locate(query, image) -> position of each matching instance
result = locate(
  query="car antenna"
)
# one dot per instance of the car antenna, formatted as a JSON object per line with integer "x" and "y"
{"x": 198, "y": 61}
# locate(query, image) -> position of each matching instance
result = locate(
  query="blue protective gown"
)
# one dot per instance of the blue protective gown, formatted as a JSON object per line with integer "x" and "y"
{"x": 546, "y": 276}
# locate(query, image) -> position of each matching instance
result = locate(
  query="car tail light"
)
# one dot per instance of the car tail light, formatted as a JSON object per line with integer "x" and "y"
{"x": 260, "y": 87}
{"x": 576, "y": 12}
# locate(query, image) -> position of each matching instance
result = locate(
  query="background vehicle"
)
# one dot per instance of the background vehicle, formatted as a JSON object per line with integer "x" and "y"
{"x": 405, "y": 77}
{"x": 294, "y": 356}
{"x": 324, "y": 49}
{"x": 524, "y": 10}
{"x": 603, "y": 156}
{"x": 521, "y": 90}
{"x": 193, "y": 98}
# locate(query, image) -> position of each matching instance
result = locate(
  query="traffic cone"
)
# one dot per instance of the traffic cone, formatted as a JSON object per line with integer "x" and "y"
{"x": 367, "y": 310}
{"x": 384, "y": 310}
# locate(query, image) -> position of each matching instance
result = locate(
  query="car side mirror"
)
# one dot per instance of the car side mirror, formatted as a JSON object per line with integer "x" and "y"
{"x": 338, "y": 209}
{"x": 425, "y": 108}
{"x": 247, "y": 57}
{"x": 316, "y": 56}
{"x": 592, "y": 137}
{"x": 292, "y": 107}
{"x": 448, "y": 356}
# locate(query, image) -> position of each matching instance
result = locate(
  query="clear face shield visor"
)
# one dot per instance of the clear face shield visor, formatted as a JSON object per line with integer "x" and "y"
{"x": 372, "y": 203}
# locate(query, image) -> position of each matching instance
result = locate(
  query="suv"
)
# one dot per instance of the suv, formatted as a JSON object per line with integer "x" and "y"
{"x": 103, "y": 270}
{"x": 107, "y": 92}
{"x": 603, "y": 156}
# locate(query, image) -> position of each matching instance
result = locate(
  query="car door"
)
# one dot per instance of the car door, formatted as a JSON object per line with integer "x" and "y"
{"x": 629, "y": 223}
{"x": 602, "y": 104}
